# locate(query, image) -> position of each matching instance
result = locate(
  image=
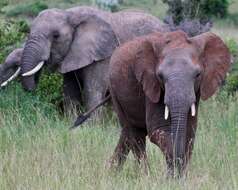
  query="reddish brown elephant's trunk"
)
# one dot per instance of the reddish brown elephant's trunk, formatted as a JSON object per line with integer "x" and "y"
{"x": 178, "y": 134}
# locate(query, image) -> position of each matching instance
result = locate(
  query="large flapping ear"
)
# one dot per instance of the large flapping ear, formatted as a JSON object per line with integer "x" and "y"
{"x": 93, "y": 40}
{"x": 215, "y": 60}
{"x": 145, "y": 70}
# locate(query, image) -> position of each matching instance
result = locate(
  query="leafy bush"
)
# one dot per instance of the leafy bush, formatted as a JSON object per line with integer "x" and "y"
{"x": 12, "y": 34}
{"x": 3, "y": 3}
{"x": 29, "y": 9}
{"x": 197, "y": 9}
{"x": 111, "y": 5}
{"x": 49, "y": 88}
{"x": 217, "y": 8}
{"x": 231, "y": 83}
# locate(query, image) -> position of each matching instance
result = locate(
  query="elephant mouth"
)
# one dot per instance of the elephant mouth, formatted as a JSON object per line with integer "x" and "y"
{"x": 34, "y": 70}
{"x": 5, "y": 83}
{"x": 166, "y": 111}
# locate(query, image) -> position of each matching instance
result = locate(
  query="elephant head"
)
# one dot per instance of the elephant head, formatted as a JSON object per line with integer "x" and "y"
{"x": 66, "y": 40}
{"x": 182, "y": 69}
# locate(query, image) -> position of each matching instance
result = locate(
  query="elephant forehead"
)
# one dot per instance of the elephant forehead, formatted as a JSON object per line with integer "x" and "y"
{"x": 50, "y": 17}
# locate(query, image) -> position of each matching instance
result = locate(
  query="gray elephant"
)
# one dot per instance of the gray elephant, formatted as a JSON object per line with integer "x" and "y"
{"x": 78, "y": 43}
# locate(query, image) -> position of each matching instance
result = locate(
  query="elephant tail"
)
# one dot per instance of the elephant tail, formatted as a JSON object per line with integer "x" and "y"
{"x": 83, "y": 117}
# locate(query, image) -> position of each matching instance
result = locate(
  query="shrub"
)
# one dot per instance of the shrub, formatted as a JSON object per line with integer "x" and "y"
{"x": 29, "y": 9}
{"x": 231, "y": 83}
{"x": 111, "y": 5}
{"x": 12, "y": 34}
{"x": 197, "y": 9}
{"x": 217, "y": 8}
{"x": 49, "y": 88}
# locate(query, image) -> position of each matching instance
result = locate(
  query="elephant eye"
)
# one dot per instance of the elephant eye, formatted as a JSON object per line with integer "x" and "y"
{"x": 56, "y": 34}
{"x": 198, "y": 74}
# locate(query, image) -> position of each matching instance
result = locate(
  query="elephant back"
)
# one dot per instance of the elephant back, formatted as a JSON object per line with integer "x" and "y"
{"x": 130, "y": 24}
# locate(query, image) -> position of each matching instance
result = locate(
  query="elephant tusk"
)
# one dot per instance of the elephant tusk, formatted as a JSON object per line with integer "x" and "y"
{"x": 33, "y": 71}
{"x": 166, "y": 112}
{"x": 193, "y": 109}
{"x": 11, "y": 78}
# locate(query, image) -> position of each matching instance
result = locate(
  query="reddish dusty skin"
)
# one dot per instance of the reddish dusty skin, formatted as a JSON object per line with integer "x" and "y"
{"x": 140, "y": 86}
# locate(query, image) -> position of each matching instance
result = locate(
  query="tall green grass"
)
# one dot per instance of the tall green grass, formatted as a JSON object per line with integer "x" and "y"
{"x": 38, "y": 152}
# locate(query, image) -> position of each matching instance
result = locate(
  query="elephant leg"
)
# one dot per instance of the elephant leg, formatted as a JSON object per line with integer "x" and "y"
{"x": 95, "y": 84}
{"x": 162, "y": 138}
{"x": 138, "y": 147}
{"x": 133, "y": 139}
{"x": 121, "y": 151}
{"x": 72, "y": 84}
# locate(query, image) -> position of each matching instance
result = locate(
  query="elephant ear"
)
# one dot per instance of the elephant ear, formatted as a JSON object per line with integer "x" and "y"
{"x": 93, "y": 40}
{"x": 145, "y": 70}
{"x": 215, "y": 59}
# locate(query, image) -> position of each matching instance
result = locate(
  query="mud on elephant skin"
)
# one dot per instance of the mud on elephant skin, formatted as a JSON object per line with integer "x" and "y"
{"x": 78, "y": 42}
{"x": 156, "y": 83}
{"x": 10, "y": 70}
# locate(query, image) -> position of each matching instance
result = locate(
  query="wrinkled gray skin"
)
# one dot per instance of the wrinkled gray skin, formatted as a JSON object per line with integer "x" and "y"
{"x": 78, "y": 42}
{"x": 10, "y": 67}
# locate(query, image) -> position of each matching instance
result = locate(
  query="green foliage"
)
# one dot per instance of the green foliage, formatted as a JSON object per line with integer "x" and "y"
{"x": 3, "y": 3}
{"x": 49, "y": 88}
{"x": 111, "y": 5}
{"x": 28, "y": 9}
{"x": 233, "y": 46}
{"x": 11, "y": 35}
{"x": 217, "y": 8}
{"x": 231, "y": 83}
{"x": 197, "y": 9}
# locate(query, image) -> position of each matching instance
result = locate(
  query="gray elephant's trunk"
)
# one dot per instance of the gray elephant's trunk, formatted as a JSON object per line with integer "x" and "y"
{"x": 32, "y": 54}
{"x": 179, "y": 115}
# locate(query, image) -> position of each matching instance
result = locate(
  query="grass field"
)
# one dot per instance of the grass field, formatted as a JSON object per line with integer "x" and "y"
{"x": 37, "y": 151}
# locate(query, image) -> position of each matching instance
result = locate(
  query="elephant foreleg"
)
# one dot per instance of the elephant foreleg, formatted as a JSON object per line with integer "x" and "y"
{"x": 162, "y": 138}
{"x": 95, "y": 84}
{"x": 72, "y": 85}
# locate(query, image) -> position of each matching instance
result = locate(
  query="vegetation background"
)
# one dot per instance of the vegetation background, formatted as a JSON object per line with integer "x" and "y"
{"x": 38, "y": 152}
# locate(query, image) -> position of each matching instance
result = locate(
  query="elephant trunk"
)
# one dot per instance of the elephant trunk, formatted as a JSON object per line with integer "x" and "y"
{"x": 178, "y": 133}
{"x": 34, "y": 55}
{"x": 28, "y": 83}
{"x": 32, "y": 60}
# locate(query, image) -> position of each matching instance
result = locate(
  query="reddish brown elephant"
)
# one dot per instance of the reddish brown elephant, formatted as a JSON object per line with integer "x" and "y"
{"x": 156, "y": 82}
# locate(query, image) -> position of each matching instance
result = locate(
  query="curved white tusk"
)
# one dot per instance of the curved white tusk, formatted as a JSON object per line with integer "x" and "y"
{"x": 11, "y": 78}
{"x": 166, "y": 112}
{"x": 33, "y": 71}
{"x": 193, "y": 109}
